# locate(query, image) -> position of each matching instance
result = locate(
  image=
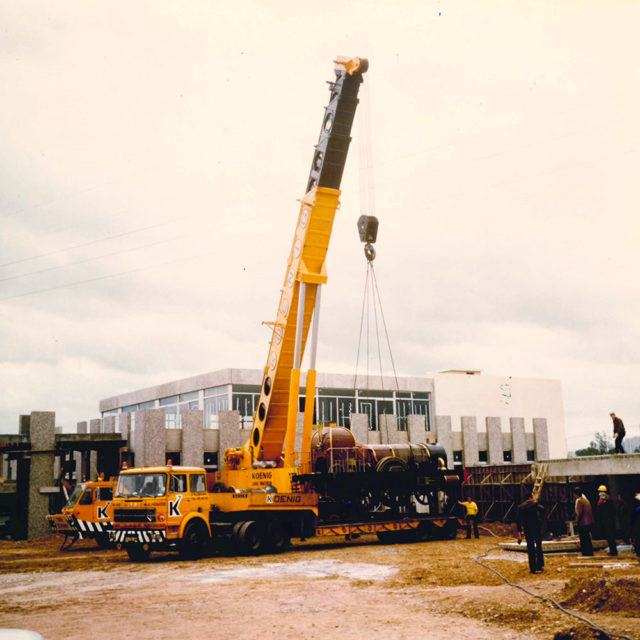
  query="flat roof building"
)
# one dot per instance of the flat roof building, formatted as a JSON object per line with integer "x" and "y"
{"x": 476, "y": 418}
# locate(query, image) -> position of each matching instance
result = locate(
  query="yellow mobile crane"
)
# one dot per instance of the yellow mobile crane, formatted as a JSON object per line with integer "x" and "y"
{"x": 266, "y": 492}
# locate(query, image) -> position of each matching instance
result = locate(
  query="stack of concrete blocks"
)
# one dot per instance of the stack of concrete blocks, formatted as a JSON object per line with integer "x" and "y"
{"x": 150, "y": 437}
{"x": 43, "y": 441}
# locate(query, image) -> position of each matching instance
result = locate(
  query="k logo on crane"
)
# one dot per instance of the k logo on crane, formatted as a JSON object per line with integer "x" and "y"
{"x": 102, "y": 512}
{"x": 174, "y": 506}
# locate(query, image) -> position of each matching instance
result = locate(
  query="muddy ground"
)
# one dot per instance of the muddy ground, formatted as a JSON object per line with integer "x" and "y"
{"x": 323, "y": 588}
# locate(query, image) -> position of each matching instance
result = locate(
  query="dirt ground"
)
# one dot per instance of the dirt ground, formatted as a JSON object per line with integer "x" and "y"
{"x": 323, "y": 588}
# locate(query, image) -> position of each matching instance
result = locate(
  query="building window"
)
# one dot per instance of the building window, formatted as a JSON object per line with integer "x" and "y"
{"x": 457, "y": 457}
{"x": 368, "y": 407}
{"x": 531, "y": 455}
{"x": 345, "y": 408}
{"x": 210, "y": 459}
{"x": 172, "y": 457}
{"x": 212, "y": 407}
{"x": 150, "y": 404}
{"x": 482, "y": 456}
{"x": 506, "y": 456}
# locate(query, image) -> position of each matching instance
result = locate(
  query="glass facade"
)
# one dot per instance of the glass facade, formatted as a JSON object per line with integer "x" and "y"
{"x": 333, "y": 405}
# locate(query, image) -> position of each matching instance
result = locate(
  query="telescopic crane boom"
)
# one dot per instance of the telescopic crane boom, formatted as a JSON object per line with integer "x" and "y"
{"x": 276, "y": 415}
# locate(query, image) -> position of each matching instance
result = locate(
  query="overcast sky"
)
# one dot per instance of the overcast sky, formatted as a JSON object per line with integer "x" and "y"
{"x": 151, "y": 155}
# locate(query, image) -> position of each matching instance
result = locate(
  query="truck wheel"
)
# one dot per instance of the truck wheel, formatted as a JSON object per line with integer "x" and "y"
{"x": 194, "y": 541}
{"x": 138, "y": 553}
{"x": 103, "y": 540}
{"x": 252, "y": 538}
{"x": 277, "y": 538}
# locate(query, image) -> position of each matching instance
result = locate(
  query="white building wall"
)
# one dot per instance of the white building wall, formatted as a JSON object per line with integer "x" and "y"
{"x": 461, "y": 395}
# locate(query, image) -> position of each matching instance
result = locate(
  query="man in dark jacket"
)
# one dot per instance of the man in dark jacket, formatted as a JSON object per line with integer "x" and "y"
{"x": 606, "y": 513}
{"x": 618, "y": 433}
{"x": 584, "y": 520}
{"x": 634, "y": 539}
{"x": 530, "y": 515}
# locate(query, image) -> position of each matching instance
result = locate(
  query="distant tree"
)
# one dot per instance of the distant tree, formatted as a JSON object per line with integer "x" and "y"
{"x": 600, "y": 445}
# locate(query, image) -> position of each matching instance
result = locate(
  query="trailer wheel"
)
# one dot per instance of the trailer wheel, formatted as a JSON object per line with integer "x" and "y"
{"x": 252, "y": 538}
{"x": 138, "y": 552}
{"x": 277, "y": 537}
{"x": 194, "y": 541}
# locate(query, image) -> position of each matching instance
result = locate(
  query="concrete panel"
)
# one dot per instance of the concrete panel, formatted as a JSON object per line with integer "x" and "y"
{"x": 469, "y": 440}
{"x": 389, "y": 433}
{"x": 93, "y": 466}
{"x": 95, "y": 425}
{"x": 150, "y": 437}
{"x": 229, "y": 431}
{"x": 494, "y": 441}
{"x": 374, "y": 437}
{"x": 124, "y": 427}
{"x": 541, "y": 435}
{"x": 445, "y": 436}
{"x": 77, "y": 458}
{"x": 192, "y": 438}
{"x": 23, "y": 424}
{"x": 416, "y": 426}
{"x": 43, "y": 440}
{"x": 360, "y": 427}
{"x": 81, "y": 427}
{"x": 109, "y": 424}
{"x": 519, "y": 450}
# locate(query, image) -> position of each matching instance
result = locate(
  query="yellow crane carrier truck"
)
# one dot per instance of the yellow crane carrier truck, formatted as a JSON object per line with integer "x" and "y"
{"x": 266, "y": 492}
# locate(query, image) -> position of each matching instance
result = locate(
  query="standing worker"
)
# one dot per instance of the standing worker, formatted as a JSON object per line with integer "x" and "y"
{"x": 472, "y": 517}
{"x": 530, "y": 515}
{"x": 634, "y": 537}
{"x": 606, "y": 514}
{"x": 584, "y": 520}
{"x": 618, "y": 432}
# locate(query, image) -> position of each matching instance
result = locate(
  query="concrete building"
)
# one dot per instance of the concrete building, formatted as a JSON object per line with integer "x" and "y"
{"x": 476, "y": 418}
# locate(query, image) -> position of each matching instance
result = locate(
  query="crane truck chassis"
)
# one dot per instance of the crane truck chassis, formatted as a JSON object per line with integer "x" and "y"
{"x": 266, "y": 492}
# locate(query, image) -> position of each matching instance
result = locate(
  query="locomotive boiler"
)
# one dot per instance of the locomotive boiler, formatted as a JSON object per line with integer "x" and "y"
{"x": 357, "y": 481}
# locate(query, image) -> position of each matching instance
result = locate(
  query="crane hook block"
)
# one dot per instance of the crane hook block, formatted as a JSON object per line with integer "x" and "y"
{"x": 368, "y": 228}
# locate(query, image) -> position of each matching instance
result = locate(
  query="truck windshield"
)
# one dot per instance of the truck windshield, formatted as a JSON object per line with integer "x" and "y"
{"x": 73, "y": 498}
{"x": 142, "y": 485}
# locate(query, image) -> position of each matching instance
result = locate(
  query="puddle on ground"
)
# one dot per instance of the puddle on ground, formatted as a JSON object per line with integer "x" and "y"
{"x": 305, "y": 569}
